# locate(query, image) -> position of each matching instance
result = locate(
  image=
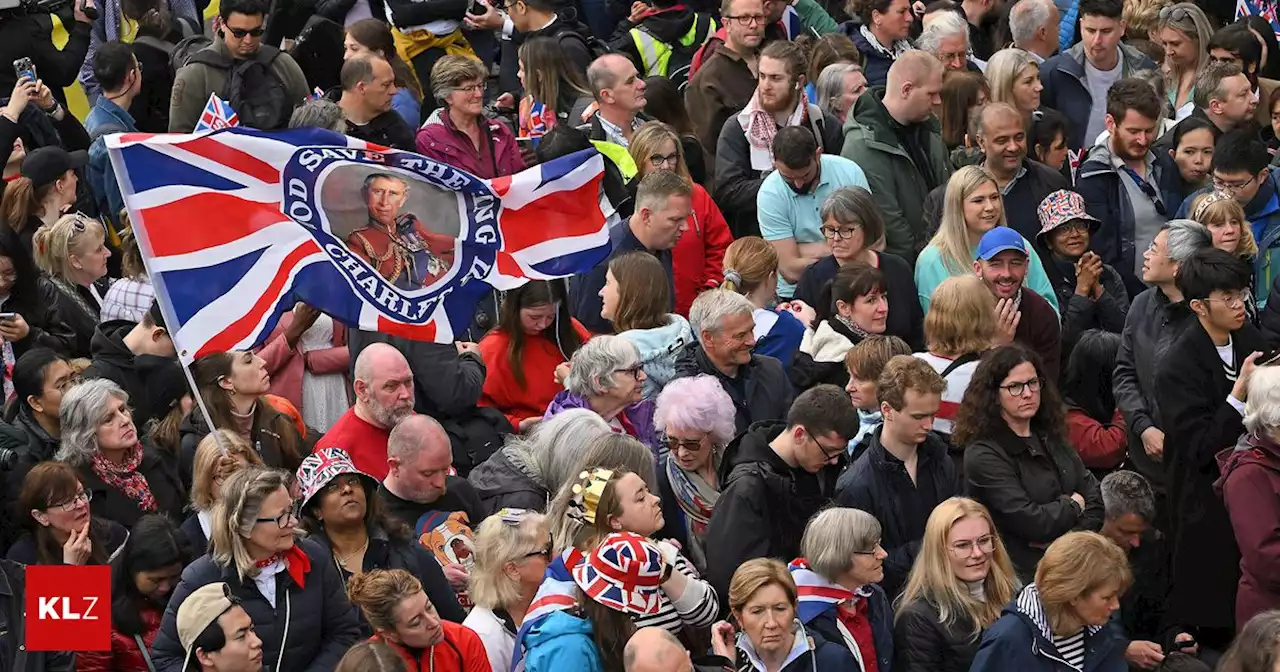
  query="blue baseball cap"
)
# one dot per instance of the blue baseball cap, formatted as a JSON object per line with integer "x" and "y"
{"x": 998, "y": 240}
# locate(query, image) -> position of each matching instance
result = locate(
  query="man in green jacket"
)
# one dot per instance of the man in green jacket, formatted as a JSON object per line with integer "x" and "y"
{"x": 893, "y": 135}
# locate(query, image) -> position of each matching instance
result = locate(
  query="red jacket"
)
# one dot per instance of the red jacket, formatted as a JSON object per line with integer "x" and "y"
{"x": 1100, "y": 446}
{"x": 1248, "y": 486}
{"x": 124, "y": 655}
{"x": 286, "y": 366}
{"x": 440, "y": 140}
{"x": 462, "y": 651}
{"x": 698, "y": 259}
{"x": 540, "y": 358}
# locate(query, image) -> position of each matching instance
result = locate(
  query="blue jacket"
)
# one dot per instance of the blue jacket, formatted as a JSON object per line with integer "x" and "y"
{"x": 659, "y": 348}
{"x": 1021, "y": 640}
{"x": 810, "y": 652}
{"x": 104, "y": 119}
{"x": 778, "y": 335}
{"x": 875, "y": 63}
{"x": 1263, "y": 212}
{"x": 562, "y": 641}
{"x": 1065, "y": 89}
{"x": 822, "y": 624}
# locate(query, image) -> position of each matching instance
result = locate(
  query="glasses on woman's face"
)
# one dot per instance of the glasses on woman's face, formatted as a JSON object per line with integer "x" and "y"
{"x": 544, "y": 552}
{"x": 470, "y": 88}
{"x": 964, "y": 548}
{"x": 668, "y": 162}
{"x": 875, "y": 548}
{"x": 283, "y": 520}
{"x": 675, "y": 445}
{"x": 82, "y": 497}
{"x": 1017, "y": 389}
{"x": 633, "y": 371}
{"x": 841, "y": 232}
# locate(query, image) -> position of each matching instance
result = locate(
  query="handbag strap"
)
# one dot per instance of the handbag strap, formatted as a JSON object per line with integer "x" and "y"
{"x": 146, "y": 656}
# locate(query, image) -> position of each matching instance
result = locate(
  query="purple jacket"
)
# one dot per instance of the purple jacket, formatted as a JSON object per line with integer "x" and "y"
{"x": 638, "y": 416}
{"x": 499, "y": 155}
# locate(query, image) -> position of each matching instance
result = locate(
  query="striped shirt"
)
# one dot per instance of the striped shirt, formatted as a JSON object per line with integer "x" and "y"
{"x": 1071, "y": 648}
{"x": 696, "y": 608}
{"x": 957, "y": 383}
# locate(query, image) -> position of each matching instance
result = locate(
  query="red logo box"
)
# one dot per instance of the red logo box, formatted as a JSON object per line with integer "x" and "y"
{"x": 68, "y": 608}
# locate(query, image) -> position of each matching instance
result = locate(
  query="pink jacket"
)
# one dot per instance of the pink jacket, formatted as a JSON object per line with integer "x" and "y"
{"x": 440, "y": 140}
{"x": 285, "y": 366}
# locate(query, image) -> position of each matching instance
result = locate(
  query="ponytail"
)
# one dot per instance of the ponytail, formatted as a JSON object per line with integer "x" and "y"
{"x": 20, "y": 201}
{"x": 42, "y": 250}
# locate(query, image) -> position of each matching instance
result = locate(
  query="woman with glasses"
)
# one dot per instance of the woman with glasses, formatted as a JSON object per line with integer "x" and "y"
{"x": 513, "y": 550}
{"x": 852, "y": 227}
{"x": 458, "y": 133}
{"x": 698, "y": 257}
{"x": 404, "y": 618}
{"x": 288, "y": 586}
{"x": 696, "y": 416}
{"x": 607, "y": 377}
{"x": 61, "y": 528}
{"x": 961, "y": 581}
{"x": 124, "y": 472}
{"x": 842, "y": 558}
{"x": 340, "y": 511}
{"x": 1017, "y": 457}
{"x": 1185, "y": 31}
{"x": 72, "y": 252}
{"x": 534, "y": 336}
{"x": 220, "y": 454}
{"x": 40, "y": 378}
{"x": 634, "y": 299}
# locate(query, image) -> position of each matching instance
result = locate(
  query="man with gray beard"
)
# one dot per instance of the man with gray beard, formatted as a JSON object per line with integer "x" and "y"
{"x": 384, "y": 396}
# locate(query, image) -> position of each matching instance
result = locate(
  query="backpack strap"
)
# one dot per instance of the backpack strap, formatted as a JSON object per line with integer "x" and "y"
{"x": 959, "y": 362}
{"x": 155, "y": 43}
{"x": 211, "y": 57}
{"x": 266, "y": 54}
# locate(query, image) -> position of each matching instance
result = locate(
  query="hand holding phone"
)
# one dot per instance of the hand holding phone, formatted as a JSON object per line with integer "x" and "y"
{"x": 24, "y": 68}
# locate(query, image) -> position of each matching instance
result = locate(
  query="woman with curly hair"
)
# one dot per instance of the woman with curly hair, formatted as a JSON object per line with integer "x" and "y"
{"x": 1018, "y": 460}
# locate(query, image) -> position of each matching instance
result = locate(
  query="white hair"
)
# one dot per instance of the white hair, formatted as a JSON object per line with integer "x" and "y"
{"x": 553, "y": 451}
{"x": 1026, "y": 17}
{"x": 1262, "y": 413}
{"x": 946, "y": 24}
{"x": 80, "y": 414}
{"x": 594, "y": 364}
{"x": 710, "y": 308}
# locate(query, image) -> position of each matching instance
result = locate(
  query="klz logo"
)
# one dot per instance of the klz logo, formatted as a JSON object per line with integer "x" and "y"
{"x": 68, "y": 608}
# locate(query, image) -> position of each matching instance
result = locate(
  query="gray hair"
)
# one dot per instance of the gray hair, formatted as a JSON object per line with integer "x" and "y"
{"x": 946, "y": 24}
{"x": 319, "y": 113}
{"x": 236, "y": 512}
{"x": 834, "y": 535}
{"x": 82, "y": 410}
{"x": 830, "y": 85}
{"x": 1184, "y": 237}
{"x": 710, "y": 308}
{"x": 1125, "y": 492}
{"x": 593, "y": 365}
{"x": 1026, "y": 17}
{"x": 600, "y": 76}
{"x": 1262, "y": 413}
{"x": 552, "y": 452}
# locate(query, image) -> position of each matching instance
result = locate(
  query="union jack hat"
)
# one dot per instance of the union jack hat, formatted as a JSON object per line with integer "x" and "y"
{"x": 1060, "y": 207}
{"x": 323, "y": 466}
{"x": 624, "y": 573}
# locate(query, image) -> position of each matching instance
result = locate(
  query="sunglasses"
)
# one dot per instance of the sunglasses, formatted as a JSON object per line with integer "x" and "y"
{"x": 241, "y": 33}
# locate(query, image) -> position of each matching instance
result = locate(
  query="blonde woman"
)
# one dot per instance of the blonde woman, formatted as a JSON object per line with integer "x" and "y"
{"x": 961, "y": 580}
{"x": 1232, "y": 232}
{"x": 697, "y": 259}
{"x": 1184, "y": 31}
{"x": 971, "y": 206}
{"x": 212, "y": 468}
{"x": 751, "y": 269}
{"x": 290, "y": 588}
{"x": 513, "y": 550}
{"x": 957, "y": 330}
{"x": 73, "y": 254}
{"x": 1015, "y": 79}
{"x": 1062, "y": 617}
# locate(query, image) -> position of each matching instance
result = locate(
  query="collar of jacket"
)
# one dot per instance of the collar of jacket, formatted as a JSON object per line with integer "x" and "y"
{"x": 881, "y": 459}
{"x": 1029, "y": 606}
{"x": 1072, "y": 61}
{"x": 119, "y": 114}
{"x": 872, "y": 120}
{"x": 707, "y": 366}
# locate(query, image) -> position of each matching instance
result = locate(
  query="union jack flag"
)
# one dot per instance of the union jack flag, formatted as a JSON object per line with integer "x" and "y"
{"x": 623, "y": 573}
{"x": 217, "y": 115}
{"x": 226, "y": 261}
{"x": 1264, "y": 8}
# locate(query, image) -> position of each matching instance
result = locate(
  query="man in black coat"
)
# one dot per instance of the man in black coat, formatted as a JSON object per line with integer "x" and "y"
{"x": 135, "y": 356}
{"x": 775, "y": 477}
{"x": 368, "y": 85}
{"x": 1202, "y": 387}
{"x": 905, "y": 471}
{"x": 722, "y": 322}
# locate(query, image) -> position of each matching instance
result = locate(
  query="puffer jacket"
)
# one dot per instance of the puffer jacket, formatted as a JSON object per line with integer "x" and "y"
{"x": 502, "y": 482}
{"x": 659, "y": 348}
{"x": 1021, "y": 640}
{"x": 820, "y": 358}
{"x": 1250, "y": 478}
{"x": 922, "y": 642}
{"x": 497, "y": 156}
{"x": 637, "y": 418}
{"x": 308, "y": 630}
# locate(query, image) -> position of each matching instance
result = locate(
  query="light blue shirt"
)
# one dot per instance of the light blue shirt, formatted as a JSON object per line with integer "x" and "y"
{"x": 785, "y": 214}
{"x": 931, "y": 270}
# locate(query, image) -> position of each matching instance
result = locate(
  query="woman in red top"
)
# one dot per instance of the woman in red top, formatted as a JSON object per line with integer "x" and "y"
{"x": 404, "y": 619}
{"x": 1094, "y": 425}
{"x": 698, "y": 259}
{"x": 534, "y": 335}
{"x": 142, "y": 578}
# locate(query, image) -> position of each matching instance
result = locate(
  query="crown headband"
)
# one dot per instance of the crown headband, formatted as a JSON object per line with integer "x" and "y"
{"x": 586, "y": 493}
{"x": 1208, "y": 200}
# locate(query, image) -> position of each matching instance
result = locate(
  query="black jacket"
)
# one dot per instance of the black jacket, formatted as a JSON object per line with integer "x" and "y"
{"x": 83, "y": 324}
{"x": 269, "y": 432}
{"x": 111, "y": 504}
{"x": 1080, "y": 313}
{"x": 1028, "y": 490}
{"x": 760, "y": 393}
{"x": 321, "y": 623}
{"x": 113, "y": 360}
{"x": 1193, "y": 388}
{"x": 40, "y": 446}
{"x": 878, "y": 483}
{"x": 49, "y": 328}
{"x": 501, "y": 483}
{"x": 1269, "y": 317}
{"x": 31, "y": 35}
{"x": 13, "y": 630}
{"x": 195, "y": 535}
{"x": 387, "y": 129}
{"x": 1152, "y": 326}
{"x": 570, "y": 35}
{"x": 106, "y": 535}
{"x": 820, "y": 358}
{"x": 923, "y": 643}
{"x": 763, "y": 507}
{"x": 906, "y": 317}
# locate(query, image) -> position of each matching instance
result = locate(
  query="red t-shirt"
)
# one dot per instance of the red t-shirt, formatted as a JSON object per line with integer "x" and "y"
{"x": 858, "y": 622}
{"x": 364, "y": 442}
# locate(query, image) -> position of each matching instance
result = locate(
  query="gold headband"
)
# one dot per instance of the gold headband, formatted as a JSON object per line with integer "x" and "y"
{"x": 586, "y": 494}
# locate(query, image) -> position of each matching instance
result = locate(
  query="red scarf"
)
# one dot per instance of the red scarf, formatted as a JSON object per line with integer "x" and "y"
{"x": 295, "y": 562}
{"x": 125, "y": 477}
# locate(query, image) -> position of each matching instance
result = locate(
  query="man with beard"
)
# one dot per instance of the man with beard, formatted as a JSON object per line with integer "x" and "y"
{"x": 744, "y": 151}
{"x": 1121, "y": 182}
{"x": 727, "y": 78}
{"x": 1022, "y": 316}
{"x": 791, "y": 198}
{"x": 384, "y": 396}
{"x": 420, "y": 490}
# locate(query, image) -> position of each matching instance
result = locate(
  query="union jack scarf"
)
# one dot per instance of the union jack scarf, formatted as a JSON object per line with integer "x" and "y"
{"x": 558, "y": 592}
{"x": 817, "y": 595}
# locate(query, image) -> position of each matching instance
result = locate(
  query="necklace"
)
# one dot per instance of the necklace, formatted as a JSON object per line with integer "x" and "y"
{"x": 342, "y": 559}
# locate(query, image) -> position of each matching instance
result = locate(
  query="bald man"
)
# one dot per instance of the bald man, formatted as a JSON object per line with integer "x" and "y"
{"x": 898, "y": 143}
{"x": 420, "y": 490}
{"x": 657, "y": 650}
{"x": 383, "y": 385}
{"x": 618, "y": 90}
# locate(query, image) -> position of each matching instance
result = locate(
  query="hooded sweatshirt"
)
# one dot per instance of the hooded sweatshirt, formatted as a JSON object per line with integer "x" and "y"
{"x": 562, "y": 641}
{"x": 659, "y": 348}
{"x": 1248, "y": 486}
{"x": 113, "y": 360}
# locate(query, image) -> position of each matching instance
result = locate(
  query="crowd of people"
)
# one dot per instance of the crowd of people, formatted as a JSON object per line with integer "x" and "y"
{"x": 933, "y": 336}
